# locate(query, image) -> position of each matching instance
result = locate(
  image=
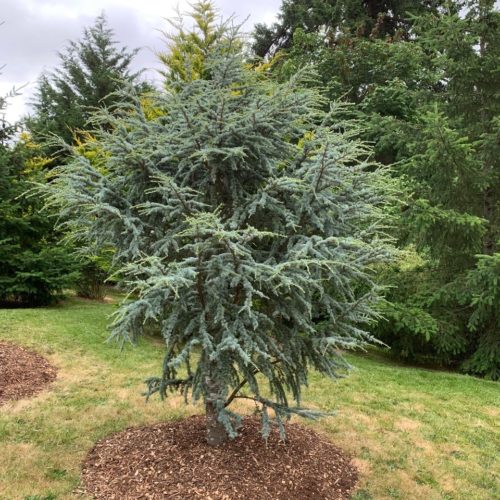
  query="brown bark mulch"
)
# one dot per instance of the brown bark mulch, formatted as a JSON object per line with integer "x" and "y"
{"x": 23, "y": 373}
{"x": 172, "y": 461}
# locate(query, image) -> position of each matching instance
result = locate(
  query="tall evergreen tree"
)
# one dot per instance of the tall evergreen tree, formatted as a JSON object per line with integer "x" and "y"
{"x": 91, "y": 71}
{"x": 429, "y": 103}
{"x": 455, "y": 160}
{"x": 247, "y": 223}
{"x": 34, "y": 267}
{"x": 451, "y": 162}
{"x": 467, "y": 50}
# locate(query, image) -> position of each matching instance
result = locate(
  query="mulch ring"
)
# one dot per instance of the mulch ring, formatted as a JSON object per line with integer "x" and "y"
{"x": 23, "y": 373}
{"x": 172, "y": 461}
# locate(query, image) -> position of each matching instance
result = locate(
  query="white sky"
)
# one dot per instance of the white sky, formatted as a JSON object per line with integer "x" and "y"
{"x": 34, "y": 31}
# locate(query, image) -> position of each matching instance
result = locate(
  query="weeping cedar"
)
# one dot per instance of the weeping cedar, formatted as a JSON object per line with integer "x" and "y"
{"x": 246, "y": 222}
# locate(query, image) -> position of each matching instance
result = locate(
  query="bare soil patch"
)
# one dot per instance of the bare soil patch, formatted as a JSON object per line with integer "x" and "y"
{"x": 172, "y": 461}
{"x": 23, "y": 373}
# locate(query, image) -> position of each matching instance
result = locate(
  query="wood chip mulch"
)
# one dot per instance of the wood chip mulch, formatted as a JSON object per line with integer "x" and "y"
{"x": 172, "y": 461}
{"x": 23, "y": 373}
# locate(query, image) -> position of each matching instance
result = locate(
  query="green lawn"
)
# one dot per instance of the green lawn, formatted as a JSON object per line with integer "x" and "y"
{"x": 413, "y": 433}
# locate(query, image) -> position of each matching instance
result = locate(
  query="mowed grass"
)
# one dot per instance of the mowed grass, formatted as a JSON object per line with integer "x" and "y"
{"x": 413, "y": 433}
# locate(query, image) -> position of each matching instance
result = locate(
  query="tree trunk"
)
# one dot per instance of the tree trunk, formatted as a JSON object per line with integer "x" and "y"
{"x": 488, "y": 195}
{"x": 216, "y": 432}
{"x": 488, "y": 213}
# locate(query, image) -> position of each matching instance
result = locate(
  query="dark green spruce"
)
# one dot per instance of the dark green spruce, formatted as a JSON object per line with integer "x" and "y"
{"x": 90, "y": 72}
{"x": 34, "y": 267}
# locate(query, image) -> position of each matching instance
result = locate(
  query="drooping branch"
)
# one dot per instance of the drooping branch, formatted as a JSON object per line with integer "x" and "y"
{"x": 156, "y": 384}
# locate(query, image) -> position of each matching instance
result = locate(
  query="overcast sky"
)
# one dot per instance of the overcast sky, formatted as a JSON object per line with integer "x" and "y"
{"x": 34, "y": 31}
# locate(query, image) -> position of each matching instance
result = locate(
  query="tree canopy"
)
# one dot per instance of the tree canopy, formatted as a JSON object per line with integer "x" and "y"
{"x": 363, "y": 18}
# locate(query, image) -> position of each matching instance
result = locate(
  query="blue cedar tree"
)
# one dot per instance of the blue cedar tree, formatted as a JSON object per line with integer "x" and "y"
{"x": 247, "y": 223}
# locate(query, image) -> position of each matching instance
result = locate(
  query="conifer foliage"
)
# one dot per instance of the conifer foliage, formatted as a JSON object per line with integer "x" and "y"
{"x": 34, "y": 267}
{"x": 188, "y": 46}
{"x": 246, "y": 223}
{"x": 91, "y": 70}
{"x": 373, "y": 19}
{"x": 427, "y": 95}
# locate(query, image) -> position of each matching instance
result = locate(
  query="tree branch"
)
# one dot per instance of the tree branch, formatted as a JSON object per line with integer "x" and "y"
{"x": 242, "y": 384}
